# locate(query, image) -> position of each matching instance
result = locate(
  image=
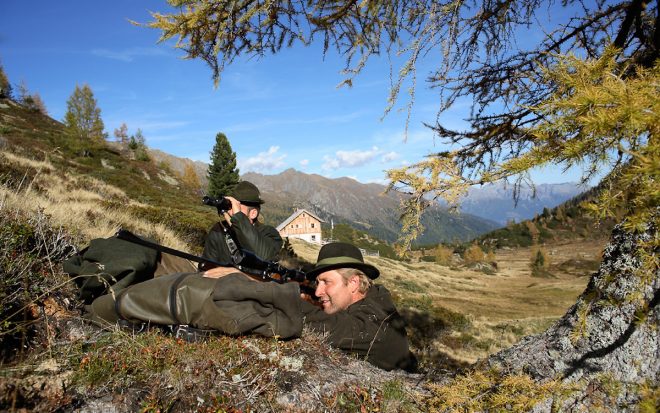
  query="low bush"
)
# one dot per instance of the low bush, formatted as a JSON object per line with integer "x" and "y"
{"x": 443, "y": 255}
{"x": 474, "y": 254}
{"x": 30, "y": 252}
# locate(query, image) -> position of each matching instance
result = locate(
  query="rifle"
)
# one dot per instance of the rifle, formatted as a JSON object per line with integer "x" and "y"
{"x": 243, "y": 260}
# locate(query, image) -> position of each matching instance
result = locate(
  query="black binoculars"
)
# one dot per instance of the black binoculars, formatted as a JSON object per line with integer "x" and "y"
{"x": 222, "y": 203}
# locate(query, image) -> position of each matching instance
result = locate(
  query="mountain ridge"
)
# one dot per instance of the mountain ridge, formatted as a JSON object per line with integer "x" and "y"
{"x": 364, "y": 206}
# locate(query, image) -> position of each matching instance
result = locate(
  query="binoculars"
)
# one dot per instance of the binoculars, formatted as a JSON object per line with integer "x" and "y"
{"x": 222, "y": 203}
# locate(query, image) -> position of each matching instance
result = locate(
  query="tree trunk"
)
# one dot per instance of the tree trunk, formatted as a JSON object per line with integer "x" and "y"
{"x": 608, "y": 343}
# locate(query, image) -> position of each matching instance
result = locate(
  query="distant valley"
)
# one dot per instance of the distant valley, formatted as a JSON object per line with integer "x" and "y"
{"x": 495, "y": 202}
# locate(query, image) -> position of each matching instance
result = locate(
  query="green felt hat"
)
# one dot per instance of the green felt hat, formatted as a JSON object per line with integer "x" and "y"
{"x": 247, "y": 193}
{"x": 341, "y": 255}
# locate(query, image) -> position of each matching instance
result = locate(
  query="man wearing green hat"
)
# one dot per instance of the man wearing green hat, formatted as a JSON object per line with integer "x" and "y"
{"x": 241, "y": 224}
{"x": 358, "y": 315}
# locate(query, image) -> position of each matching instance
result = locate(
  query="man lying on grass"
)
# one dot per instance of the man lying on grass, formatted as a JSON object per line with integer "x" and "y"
{"x": 358, "y": 316}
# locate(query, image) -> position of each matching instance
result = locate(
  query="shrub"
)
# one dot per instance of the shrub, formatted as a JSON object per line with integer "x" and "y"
{"x": 28, "y": 249}
{"x": 490, "y": 258}
{"x": 474, "y": 254}
{"x": 141, "y": 154}
{"x": 443, "y": 255}
{"x": 540, "y": 262}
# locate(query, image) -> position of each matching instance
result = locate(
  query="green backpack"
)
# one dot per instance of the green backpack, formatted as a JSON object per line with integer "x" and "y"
{"x": 110, "y": 265}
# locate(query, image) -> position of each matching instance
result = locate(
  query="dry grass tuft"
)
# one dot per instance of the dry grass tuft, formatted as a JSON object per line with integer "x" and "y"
{"x": 40, "y": 166}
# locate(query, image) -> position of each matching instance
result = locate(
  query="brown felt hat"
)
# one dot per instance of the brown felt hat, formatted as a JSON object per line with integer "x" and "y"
{"x": 247, "y": 193}
{"x": 341, "y": 255}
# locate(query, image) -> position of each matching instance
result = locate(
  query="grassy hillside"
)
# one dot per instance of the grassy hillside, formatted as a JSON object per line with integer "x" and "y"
{"x": 142, "y": 188}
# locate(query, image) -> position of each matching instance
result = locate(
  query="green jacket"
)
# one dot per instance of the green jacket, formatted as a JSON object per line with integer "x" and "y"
{"x": 371, "y": 328}
{"x": 262, "y": 240}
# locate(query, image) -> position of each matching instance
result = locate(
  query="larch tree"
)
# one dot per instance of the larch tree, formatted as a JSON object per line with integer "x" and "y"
{"x": 583, "y": 93}
{"x": 222, "y": 173}
{"x": 121, "y": 134}
{"x": 5, "y": 86}
{"x": 31, "y": 101}
{"x": 83, "y": 116}
{"x": 189, "y": 176}
{"x": 23, "y": 93}
{"x": 36, "y": 104}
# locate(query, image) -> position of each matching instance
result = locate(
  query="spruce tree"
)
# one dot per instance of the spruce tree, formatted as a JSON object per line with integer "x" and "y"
{"x": 83, "y": 116}
{"x": 222, "y": 174}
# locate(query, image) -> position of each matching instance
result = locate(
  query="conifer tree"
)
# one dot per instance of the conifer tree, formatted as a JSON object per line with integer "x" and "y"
{"x": 121, "y": 134}
{"x": 528, "y": 100}
{"x": 222, "y": 174}
{"x": 31, "y": 101}
{"x": 138, "y": 144}
{"x": 23, "y": 93}
{"x": 37, "y": 104}
{"x": 189, "y": 176}
{"x": 83, "y": 116}
{"x": 5, "y": 85}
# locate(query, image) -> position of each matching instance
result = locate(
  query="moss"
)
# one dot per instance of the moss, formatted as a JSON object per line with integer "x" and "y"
{"x": 358, "y": 398}
{"x": 491, "y": 391}
{"x": 649, "y": 398}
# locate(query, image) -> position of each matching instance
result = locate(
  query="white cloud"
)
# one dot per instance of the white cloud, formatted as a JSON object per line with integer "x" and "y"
{"x": 128, "y": 55}
{"x": 304, "y": 163}
{"x": 263, "y": 162}
{"x": 330, "y": 163}
{"x": 350, "y": 159}
{"x": 390, "y": 156}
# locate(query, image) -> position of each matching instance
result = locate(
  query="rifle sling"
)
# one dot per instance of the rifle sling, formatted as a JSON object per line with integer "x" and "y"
{"x": 130, "y": 237}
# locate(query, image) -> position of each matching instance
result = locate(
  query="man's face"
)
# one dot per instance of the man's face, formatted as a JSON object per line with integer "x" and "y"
{"x": 333, "y": 293}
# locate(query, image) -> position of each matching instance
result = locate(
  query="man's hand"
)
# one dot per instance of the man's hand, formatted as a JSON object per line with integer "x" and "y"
{"x": 311, "y": 300}
{"x": 235, "y": 205}
{"x": 219, "y": 272}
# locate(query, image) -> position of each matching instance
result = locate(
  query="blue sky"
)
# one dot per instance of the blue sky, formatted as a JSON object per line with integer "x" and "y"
{"x": 279, "y": 112}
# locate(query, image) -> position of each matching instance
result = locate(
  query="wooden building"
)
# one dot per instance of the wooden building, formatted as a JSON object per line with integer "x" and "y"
{"x": 302, "y": 224}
